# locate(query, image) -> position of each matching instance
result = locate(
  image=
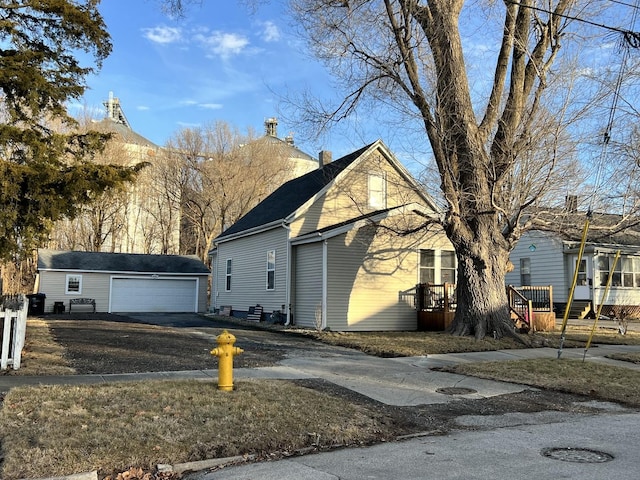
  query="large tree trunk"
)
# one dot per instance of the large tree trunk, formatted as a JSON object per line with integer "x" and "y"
{"x": 483, "y": 307}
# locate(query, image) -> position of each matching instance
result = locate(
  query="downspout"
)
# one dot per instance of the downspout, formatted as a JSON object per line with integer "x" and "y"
{"x": 324, "y": 283}
{"x": 288, "y": 275}
{"x": 214, "y": 284}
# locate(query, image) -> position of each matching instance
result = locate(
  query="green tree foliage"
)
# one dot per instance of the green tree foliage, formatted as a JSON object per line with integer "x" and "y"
{"x": 46, "y": 168}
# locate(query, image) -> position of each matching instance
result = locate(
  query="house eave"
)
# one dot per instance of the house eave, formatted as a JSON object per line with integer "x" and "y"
{"x": 595, "y": 248}
{"x": 334, "y": 232}
{"x": 124, "y": 272}
{"x": 250, "y": 231}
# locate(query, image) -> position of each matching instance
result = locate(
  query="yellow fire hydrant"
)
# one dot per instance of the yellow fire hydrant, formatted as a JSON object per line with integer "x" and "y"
{"x": 225, "y": 353}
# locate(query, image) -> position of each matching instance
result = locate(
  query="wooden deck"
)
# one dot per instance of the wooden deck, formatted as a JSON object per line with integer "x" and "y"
{"x": 531, "y": 307}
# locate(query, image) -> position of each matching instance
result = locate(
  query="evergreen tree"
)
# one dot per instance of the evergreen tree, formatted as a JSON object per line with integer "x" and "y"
{"x": 47, "y": 173}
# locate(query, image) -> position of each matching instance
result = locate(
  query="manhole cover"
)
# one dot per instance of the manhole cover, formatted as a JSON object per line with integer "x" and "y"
{"x": 456, "y": 390}
{"x": 578, "y": 455}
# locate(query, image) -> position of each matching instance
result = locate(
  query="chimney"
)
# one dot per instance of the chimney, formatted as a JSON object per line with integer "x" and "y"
{"x": 324, "y": 157}
{"x": 271, "y": 127}
{"x": 571, "y": 203}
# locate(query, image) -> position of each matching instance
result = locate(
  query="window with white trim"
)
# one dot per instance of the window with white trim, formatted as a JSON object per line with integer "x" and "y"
{"x": 525, "y": 271}
{"x": 626, "y": 273}
{"x": 377, "y": 190}
{"x": 73, "y": 284}
{"x": 271, "y": 270}
{"x": 437, "y": 266}
{"x": 447, "y": 266}
{"x": 227, "y": 280}
{"x": 428, "y": 266}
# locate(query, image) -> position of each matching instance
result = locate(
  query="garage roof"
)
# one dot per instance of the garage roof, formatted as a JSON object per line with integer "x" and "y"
{"x": 119, "y": 262}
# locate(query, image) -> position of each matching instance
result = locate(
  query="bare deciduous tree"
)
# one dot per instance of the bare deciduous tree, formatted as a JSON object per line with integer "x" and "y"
{"x": 224, "y": 174}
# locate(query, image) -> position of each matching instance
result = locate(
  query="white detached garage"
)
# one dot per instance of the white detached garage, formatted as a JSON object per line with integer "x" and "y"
{"x": 123, "y": 282}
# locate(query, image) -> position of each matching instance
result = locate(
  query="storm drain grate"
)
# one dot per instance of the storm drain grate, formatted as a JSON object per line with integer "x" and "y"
{"x": 577, "y": 455}
{"x": 456, "y": 390}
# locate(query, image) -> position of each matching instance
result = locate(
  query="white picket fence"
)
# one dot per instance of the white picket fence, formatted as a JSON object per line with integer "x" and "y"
{"x": 14, "y": 329}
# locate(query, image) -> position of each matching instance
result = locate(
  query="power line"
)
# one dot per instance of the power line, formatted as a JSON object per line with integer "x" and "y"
{"x": 630, "y": 37}
{"x": 624, "y": 4}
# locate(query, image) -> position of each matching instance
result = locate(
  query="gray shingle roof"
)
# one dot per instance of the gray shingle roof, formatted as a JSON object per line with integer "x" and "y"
{"x": 291, "y": 195}
{"x": 605, "y": 228}
{"x": 119, "y": 262}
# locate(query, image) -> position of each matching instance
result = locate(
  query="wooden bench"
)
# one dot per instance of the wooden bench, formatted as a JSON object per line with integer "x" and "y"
{"x": 82, "y": 301}
{"x": 255, "y": 314}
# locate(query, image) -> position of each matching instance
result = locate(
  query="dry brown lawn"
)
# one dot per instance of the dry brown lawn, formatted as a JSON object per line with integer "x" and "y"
{"x": 41, "y": 354}
{"x": 60, "y": 430}
{"x": 399, "y": 344}
{"x": 597, "y": 380}
{"x": 626, "y": 357}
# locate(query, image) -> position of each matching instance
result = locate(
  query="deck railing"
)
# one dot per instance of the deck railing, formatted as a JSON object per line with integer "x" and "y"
{"x": 541, "y": 297}
{"x": 436, "y": 297}
{"x": 426, "y": 296}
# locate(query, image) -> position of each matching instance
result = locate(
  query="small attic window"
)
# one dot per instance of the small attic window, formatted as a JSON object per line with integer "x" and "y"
{"x": 73, "y": 284}
{"x": 377, "y": 190}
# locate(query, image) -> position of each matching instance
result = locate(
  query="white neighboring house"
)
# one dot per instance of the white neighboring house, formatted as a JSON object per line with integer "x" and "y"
{"x": 328, "y": 247}
{"x": 123, "y": 282}
{"x": 549, "y": 257}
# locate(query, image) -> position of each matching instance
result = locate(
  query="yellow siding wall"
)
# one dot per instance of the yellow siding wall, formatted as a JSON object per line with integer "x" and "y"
{"x": 248, "y": 271}
{"x": 348, "y": 198}
{"x": 368, "y": 268}
{"x": 307, "y": 297}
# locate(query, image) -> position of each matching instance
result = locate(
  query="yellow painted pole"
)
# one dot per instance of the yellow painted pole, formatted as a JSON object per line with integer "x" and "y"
{"x": 604, "y": 296}
{"x": 573, "y": 285}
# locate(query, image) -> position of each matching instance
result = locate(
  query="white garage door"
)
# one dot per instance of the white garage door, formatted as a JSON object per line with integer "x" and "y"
{"x": 153, "y": 295}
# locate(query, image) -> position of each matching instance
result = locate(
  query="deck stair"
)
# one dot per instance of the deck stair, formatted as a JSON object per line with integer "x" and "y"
{"x": 579, "y": 309}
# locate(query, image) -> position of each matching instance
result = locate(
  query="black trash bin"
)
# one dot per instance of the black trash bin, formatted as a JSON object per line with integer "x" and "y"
{"x": 36, "y": 304}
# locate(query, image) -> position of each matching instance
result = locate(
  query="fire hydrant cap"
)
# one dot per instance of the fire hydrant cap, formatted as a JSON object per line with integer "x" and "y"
{"x": 225, "y": 338}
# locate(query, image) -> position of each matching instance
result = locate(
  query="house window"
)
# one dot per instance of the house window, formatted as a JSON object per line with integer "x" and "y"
{"x": 630, "y": 269}
{"x": 525, "y": 271}
{"x": 626, "y": 273}
{"x": 636, "y": 271}
{"x": 447, "y": 267}
{"x": 427, "y": 266}
{"x": 437, "y": 267}
{"x": 377, "y": 190}
{"x": 623, "y": 274}
{"x": 271, "y": 270}
{"x": 227, "y": 283}
{"x": 73, "y": 284}
{"x": 582, "y": 273}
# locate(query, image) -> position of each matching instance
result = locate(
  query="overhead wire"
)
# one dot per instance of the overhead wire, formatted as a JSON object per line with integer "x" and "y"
{"x": 630, "y": 37}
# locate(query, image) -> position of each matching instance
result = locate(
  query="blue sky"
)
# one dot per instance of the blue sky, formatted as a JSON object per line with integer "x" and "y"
{"x": 221, "y": 62}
